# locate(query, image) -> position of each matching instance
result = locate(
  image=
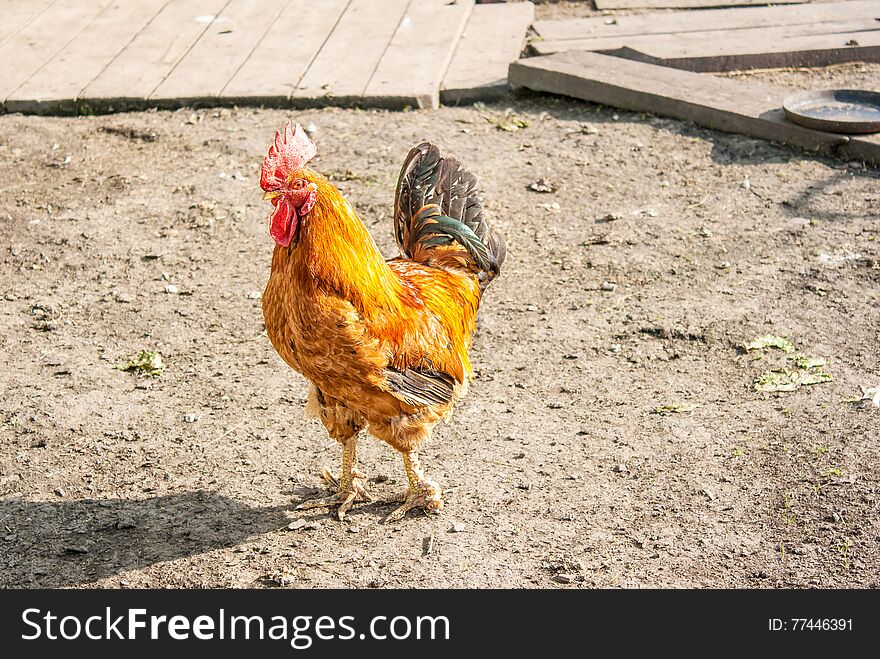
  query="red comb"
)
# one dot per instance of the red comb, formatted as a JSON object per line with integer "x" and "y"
{"x": 290, "y": 152}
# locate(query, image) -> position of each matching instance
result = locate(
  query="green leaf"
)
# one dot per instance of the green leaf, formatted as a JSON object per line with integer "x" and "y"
{"x": 805, "y": 362}
{"x": 675, "y": 408}
{"x": 787, "y": 379}
{"x": 770, "y": 341}
{"x": 146, "y": 362}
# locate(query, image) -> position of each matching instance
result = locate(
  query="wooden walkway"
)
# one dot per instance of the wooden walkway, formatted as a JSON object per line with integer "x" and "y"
{"x": 104, "y": 55}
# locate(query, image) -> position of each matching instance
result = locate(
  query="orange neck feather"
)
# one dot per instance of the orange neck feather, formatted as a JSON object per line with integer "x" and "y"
{"x": 335, "y": 252}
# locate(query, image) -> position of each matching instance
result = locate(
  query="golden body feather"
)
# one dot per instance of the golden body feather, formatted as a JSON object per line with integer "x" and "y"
{"x": 341, "y": 315}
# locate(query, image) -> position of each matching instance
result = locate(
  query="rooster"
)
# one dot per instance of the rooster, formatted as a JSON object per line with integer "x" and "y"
{"x": 384, "y": 344}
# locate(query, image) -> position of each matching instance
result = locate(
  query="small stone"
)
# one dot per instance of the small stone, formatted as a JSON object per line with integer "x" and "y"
{"x": 312, "y": 526}
{"x": 144, "y": 385}
{"x": 78, "y": 549}
{"x": 59, "y": 492}
{"x": 354, "y": 528}
{"x": 542, "y": 185}
{"x": 253, "y": 295}
{"x": 457, "y": 527}
{"x": 296, "y": 524}
{"x": 563, "y": 578}
{"x": 620, "y": 468}
{"x": 524, "y": 486}
{"x": 124, "y": 298}
{"x": 171, "y": 289}
{"x": 190, "y": 417}
{"x": 608, "y": 286}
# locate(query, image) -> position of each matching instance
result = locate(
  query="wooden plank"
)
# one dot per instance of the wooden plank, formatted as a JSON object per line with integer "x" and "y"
{"x": 413, "y": 66}
{"x": 279, "y": 61}
{"x": 707, "y": 43}
{"x": 140, "y": 68}
{"x": 711, "y": 19}
{"x": 343, "y": 67}
{"x": 723, "y": 50}
{"x": 18, "y": 13}
{"x": 493, "y": 38}
{"x": 686, "y": 4}
{"x": 58, "y": 83}
{"x": 37, "y": 42}
{"x": 791, "y": 50}
{"x": 216, "y": 57}
{"x": 727, "y": 105}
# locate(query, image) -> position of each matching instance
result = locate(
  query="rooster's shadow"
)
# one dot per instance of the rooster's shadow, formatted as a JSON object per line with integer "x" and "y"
{"x": 65, "y": 543}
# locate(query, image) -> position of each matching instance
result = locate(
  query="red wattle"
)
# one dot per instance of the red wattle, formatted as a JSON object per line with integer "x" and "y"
{"x": 284, "y": 223}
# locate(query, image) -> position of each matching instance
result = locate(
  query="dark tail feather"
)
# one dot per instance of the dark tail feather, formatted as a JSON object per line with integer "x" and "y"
{"x": 438, "y": 215}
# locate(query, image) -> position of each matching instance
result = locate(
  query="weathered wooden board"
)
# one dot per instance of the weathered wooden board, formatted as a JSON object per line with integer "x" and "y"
{"x": 37, "y": 42}
{"x": 346, "y": 62}
{"x": 698, "y": 21}
{"x": 215, "y": 58}
{"x": 418, "y": 55}
{"x": 16, "y": 14}
{"x": 493, "y": 38}
{"x": 687, "y": 4}
{"x": 282, "y": 57}
{"x": 816, "y": 44}
{"x": 728, "y": 105}
{"x": 720, "y": 42}
{"x": 753, "y": 52}
{"x": 137, "y": 71}
{"x": 60, "y": 80}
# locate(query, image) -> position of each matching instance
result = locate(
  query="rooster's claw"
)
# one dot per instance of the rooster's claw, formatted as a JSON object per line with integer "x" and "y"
{"x": 343, "y": 497}
{"x": 425, "y": 495}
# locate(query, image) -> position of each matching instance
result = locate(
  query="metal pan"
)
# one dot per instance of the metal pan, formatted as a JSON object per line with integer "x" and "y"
{"x": 835, "y": 110}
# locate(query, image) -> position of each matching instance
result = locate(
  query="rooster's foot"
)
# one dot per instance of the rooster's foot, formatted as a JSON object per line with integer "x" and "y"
{"x": 345, "y": 495}
{"x": 423, "y": 494}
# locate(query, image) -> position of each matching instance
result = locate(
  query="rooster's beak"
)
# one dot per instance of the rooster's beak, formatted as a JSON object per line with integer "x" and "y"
{"x": 271, "y": 194}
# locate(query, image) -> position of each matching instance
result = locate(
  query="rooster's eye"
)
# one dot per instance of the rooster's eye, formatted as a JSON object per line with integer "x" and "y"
{"x": 297, "y": 184}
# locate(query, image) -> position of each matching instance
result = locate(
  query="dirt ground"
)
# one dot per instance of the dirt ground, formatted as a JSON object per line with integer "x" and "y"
{"x": 632, "y": 287}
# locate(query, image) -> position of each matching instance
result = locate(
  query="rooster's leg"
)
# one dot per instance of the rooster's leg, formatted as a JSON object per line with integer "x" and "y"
{"x": 350, "y": 486}
{"x": 422, "y": 493}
